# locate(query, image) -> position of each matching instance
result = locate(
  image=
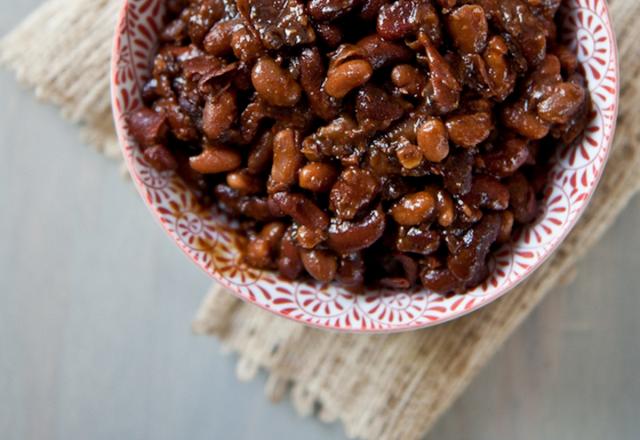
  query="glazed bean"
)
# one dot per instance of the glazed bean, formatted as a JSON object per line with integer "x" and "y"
{"x": 219, "y": 114}
{"x": 508, "y": 159}
{"x": 353, "y": 191}
{"x": 414, "y": 209}
{"x": 524, "y": 122}
{"x": 376, "y": 109}
{"x": 312, "y": 73}
{"x": 309, "y": 238}
{"x": 350, "y": 236}
{"x": 506, "y": 228}
{"x": 469, "y": 28}
{"x": 245, "y": 45}
{"x": 445, "y": 206}
{"x": 317, "y": 177}
{"x": 418, "y": 240}
{"x": 256, "y": 208}
{"x": 470, "y": 261}
{"x": 457, "y": 173}
{"x": 469, "y": 130}
{"x": 562, "y": 104}
{"x": 381, "y": 53}
{"x": 218, "y": 41}
{"x": 320, "y": 264}
{"x": 404, "y": 17}
{"x": 214, "y": 160}
{"x": 261, "y": 251}
{"x": 433, "y": 140}
{"x": 409, "y": 155}
{"x": 302, "y": 209}
{"x": 330, "y": 34}
{"x": 244, "y": 182}
{"x": 287, "y": 160}
{"x": 440, "y": 281}
{"x": 274, "y": 84}
{"x": 289, "y": 262}
{"x": 445, "y": 88}
{"x": 408, "y": 79}
{"x": 502, "y": 78}
{"x": 147, "y": 127}
{"x": 330, "y": 9}
{"x": 488, "y": 192}
{"x": 160, "y": 158}
{"x": 346, "y": 77}
{"x": 351, "y": 271}
{"x": 523, "y": 200}
{"x": 261, "y": 154}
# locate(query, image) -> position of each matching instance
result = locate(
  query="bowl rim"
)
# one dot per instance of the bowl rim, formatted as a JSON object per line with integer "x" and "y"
{"x": 118, "y": 117}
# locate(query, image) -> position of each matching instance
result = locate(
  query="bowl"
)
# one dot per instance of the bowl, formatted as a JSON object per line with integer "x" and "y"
{"x": 206, "y": 237}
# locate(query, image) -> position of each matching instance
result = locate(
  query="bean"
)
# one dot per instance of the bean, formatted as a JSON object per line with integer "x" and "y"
{"x": 562, "y": 104}
{"x": 218, "y": 41}
{"x": 160, "y": 158}
{"x": 488, "y": 192}
{"x": 261, "y": 154}
{"x": 302, "y": 209}
{"x": 351, "y": 271}
{"x": 433, "y": 140}
{"x": 445, "y": 88}
{"x": 506, "y": 227}
{"x": 244, "y": 182}
{"x": 502, "y": 78}
{"x": 317, "y": 177}
{"x": 381, "y": 53}
{"x": 346, "y": 77}
{"x": 312, "y": 72}
{"x": 287, "y": 160}
{"x": 309, "y": 238}
{"x": 350, "y": 236}
{"x": 215, "y": 160}
{"x": 408, "y": 79}
{"x": 245, "y": 45}
{"x": 524, "y": 122}
{"x": 274, "y": 84}
{"x": 418, "y": 240}
{"x": 320, "y": 264}
{"x": 147, "y": 127}
{"x": 256, "y": 208}
{"x": 469, "y": 130}
{"x": 414, "y": 209}
{"x": 469, "y": 28}
{"x": 523, "y": 200}
{"x": 289, "y": 262}
{"x": 262, "y": 250}
{"x": 508, "y": 158}
{"x": 440, "y": 281}
{"x": 353, "y": 191}
{"x": 330, "y": 33}
{"x": 409, "y": 155}
{"x": 326, "y": 10}
{"x": 219, "y": 114}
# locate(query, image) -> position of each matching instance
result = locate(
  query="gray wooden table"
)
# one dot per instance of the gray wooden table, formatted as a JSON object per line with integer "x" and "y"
{"x": 96, "y": 304}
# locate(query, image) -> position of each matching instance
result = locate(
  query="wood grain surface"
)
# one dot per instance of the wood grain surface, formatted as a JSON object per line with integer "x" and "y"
{"x": 96, "y": 304}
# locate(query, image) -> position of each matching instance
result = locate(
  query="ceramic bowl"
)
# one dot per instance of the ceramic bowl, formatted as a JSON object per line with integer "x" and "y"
{"x": 205, "y": 236}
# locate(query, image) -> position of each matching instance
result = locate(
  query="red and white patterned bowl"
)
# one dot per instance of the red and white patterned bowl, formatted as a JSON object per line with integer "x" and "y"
{"x": 205, "y": 237}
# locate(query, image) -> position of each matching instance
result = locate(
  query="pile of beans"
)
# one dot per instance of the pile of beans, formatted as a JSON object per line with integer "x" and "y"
{"x": 365, "y": 141}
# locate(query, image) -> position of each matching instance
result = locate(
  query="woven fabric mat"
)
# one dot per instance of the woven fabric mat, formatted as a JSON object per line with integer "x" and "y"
{"x": 380, "y": 387}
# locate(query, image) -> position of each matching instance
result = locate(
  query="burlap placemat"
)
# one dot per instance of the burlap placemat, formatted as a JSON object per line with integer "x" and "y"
{"x": 380, "y": 387}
